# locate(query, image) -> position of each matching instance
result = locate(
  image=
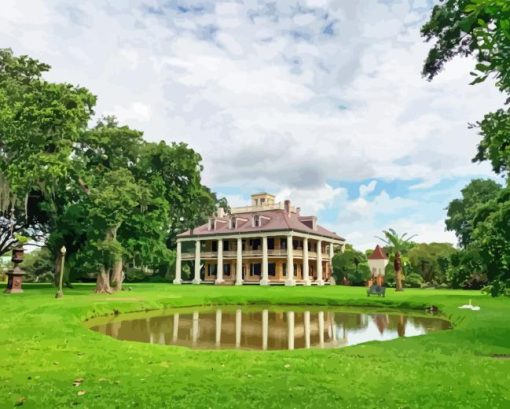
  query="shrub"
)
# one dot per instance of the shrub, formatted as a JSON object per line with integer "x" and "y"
{"x": 413, "y": 280}
{"x": 497, "y": 288}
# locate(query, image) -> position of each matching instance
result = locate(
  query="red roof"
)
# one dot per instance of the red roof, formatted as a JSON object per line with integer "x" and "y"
{"x": 272, "y": 220}
{"x": 378, "y": 254}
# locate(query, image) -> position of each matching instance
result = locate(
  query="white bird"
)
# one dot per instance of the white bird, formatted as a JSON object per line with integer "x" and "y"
{"x": 470, "y": 307}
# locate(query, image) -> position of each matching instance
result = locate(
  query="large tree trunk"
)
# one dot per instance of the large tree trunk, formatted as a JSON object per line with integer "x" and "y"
{"x": 117, "y": 276}
{"x": 56, "y": 269}
{"x": 103, "y": 281}
{"x": 397, "y": 265}
{"x": 103, "y": 277}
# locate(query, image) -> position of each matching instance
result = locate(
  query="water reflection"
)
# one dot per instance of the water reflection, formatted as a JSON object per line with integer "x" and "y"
{"x": 269, "y": 329}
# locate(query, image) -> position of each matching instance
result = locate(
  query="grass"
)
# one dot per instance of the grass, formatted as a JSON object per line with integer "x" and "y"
{"x": 46, "y": 347}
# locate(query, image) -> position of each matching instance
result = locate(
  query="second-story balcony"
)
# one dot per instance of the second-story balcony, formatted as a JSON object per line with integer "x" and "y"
{"x": 250, "y": 254}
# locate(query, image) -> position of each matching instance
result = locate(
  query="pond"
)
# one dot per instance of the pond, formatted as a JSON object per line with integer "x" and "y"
{"x": 266, "y": 328}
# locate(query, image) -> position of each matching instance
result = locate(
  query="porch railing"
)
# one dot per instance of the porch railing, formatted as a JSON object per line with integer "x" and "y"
{"x": 312, "y": 255}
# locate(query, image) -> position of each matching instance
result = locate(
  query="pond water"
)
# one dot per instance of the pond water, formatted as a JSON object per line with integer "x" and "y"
{"x": 267, "y": 328}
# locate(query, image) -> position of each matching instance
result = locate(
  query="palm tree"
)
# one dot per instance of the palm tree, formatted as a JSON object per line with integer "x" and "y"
{"x": 397, "y": 244}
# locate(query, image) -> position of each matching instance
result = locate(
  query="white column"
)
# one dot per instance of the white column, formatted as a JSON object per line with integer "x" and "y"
{"x": 306, "y": 266}
{"x": 333, "y": 325}
{"x": 148, "y": 326}
{"x": 265, "y": 267}
{"x": 321, "y": 329}
{"x": 178, "y": 267}
{"x": 115, "y": 328}
{"x": 175, "y": 334}
{"x": 218, "y": 328}
{"x": 290, "y": 323}
{"x": 239, "y": 316}
{"x": 265, "y": 328}
{"x": 197, "y": 279}
{"x": 239, "y": 265}
{"x": 307, "y": 329}
{"x": 290, "y": 262}
{"x": 319, "y": 281}
{"x": 194, "y": 329}
{"x": 331, "y": 255}
{"x": 219, "y": 264}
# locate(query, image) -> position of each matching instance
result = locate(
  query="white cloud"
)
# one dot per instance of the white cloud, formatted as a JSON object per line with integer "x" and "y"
{"x": 235, "y": 200}
{"x": 365, "y": 210}
{"x": 134, "y": 111}
{"x": 268, "y": 79}
{"x": 273, "y": 96}
{"x": 311, "y": 201}
{"x": 318, "y": 3}
{"x": 365, "y": 190}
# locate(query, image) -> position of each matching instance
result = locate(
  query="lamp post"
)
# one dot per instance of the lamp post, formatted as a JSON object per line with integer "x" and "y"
{"x": 60, "y": 292}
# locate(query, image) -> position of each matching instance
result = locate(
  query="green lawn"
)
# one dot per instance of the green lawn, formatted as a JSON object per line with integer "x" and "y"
{"x": 46, "y": 346}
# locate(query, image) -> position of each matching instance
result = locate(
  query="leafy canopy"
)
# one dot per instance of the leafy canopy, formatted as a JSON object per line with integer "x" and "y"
{"x": 481, "y": 29}
{"x": 103, "y": 192}
{"x": 40, "y": 122}
{"x": 461, "y": 213}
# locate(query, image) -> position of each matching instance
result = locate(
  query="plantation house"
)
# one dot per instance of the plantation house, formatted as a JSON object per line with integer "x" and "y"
{"x": 265, "y": 243}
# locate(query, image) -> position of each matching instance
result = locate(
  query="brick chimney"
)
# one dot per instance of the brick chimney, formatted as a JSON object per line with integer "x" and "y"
{"x": 287, "y": 207}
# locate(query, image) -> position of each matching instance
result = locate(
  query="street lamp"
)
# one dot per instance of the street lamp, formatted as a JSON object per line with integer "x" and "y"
{"x": 60, "y": 292}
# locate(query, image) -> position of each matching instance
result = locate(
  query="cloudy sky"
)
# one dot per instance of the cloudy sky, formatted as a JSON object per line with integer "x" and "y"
{"x": 319, "y": 101}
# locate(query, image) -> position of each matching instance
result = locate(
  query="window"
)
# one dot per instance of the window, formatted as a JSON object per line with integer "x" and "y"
{"x": 212, "y": 269}
{"x": 271, "y": 269}
{"x": 270, "y": 243}
{"x": 233, "y": 223}
{"x": 226, "y": 269}
{"x": 256, "y": 269}
{"x": 226, "y": 245}
{"x": 255, "y": 244}
{"x": 256, "y": 220}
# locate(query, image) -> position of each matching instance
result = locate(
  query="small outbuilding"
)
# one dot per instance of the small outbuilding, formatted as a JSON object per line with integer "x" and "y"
{"x": 377, "y": 262}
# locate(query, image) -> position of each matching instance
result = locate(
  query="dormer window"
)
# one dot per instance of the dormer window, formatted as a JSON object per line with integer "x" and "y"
{"x": 233, "y": 223}
{"x": 211, "y": 224}
{"x": 256, "y": 220}
{"x": 309, "y": 221}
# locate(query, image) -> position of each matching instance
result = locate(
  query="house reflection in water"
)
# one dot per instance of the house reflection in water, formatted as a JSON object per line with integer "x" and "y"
{"x": 253, "y": 330}
{"x": 268, "y": 329}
